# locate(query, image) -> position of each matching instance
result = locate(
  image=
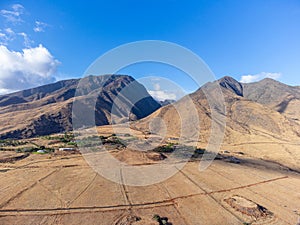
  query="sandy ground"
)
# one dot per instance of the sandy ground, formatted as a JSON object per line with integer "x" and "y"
{"x": 41, "y": 189}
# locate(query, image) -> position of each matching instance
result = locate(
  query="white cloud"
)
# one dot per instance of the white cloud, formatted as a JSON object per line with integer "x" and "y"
{"x": 6, "y": 36}
{"x": 9, "y": 31}
{"x": 256, "y": 77}
{"x": 40, "y": 26}
{"x": 21, "y": 70}
{"x": 13, "y": 15}
{"x": 249, "y": 78}
{"x": 162, "y": 88}
{"x": 15, "y": 32}
{"x": 27, "y": 41}
{"x": 162, "y": 95}
{"x": 4, "y": 91}
{"x": 156, "y": 86}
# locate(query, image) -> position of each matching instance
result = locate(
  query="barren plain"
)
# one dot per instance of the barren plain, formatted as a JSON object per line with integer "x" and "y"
{"x": 64, "y": 189}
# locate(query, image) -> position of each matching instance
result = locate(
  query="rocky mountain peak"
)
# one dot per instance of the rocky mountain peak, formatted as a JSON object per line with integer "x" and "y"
{"x": 232, "y": 85}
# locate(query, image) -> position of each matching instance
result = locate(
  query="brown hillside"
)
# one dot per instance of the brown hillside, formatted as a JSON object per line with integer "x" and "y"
{"x": 48, "y": 109}
{"x": 249, "y": 124}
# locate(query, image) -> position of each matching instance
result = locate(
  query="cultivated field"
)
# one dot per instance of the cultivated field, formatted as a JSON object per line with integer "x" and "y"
{"x": 64, "y": 189}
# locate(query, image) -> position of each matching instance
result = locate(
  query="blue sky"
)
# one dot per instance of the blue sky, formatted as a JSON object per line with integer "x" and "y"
{"x": 253, "y": 39}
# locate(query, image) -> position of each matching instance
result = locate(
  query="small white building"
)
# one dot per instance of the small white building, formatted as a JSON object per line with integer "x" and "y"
{"x": 66, "y": 149}
{"x": 41, "y": 151}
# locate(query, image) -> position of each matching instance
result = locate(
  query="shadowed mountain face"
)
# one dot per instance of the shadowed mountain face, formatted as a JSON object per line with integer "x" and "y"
{"x": 48, "y": 109}
{"x": 232, "y": 85}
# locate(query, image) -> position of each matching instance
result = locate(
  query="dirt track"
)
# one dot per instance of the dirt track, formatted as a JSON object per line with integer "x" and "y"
{"x": 65, "y": 190}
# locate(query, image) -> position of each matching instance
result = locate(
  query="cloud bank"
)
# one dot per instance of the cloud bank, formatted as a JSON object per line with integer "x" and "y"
{"x": 256, "y": 77}
{"x": 28, "y": 68}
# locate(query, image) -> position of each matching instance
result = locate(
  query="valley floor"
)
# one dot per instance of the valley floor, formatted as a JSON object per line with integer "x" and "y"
{"x": 43, "y": 189}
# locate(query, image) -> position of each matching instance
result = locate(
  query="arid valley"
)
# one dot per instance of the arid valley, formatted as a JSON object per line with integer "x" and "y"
{"x": 253, "y": 179}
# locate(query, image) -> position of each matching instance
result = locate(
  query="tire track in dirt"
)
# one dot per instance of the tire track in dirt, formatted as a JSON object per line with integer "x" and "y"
{"x": 45, "y": 160}
{"x": 84, "y": 190}
{"x": 55, "y": 194}
{"x": 27, "y": 188}
{"x": 248, "y": 185}
{"x": 175, "y": 205}
{"x": 209, "y": 194}
{"x": 85, "y": 209}
{"x": 263, "y": 142}
{"x": 124, "y": 189}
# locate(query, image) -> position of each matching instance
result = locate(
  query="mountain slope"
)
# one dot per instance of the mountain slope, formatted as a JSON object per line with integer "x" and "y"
{"x": 283, "y": 98}
{"x": 48, "y": 109}
{"x": 251, "y": 126}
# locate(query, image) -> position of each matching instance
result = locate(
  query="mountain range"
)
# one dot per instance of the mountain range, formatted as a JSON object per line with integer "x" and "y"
{"x": 265, "y": 109}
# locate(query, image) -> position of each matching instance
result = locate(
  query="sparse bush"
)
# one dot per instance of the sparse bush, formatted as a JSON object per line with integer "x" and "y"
{"x": 34, "y": 149}
{"x": 169, "y": 148}
{"x": 161, "y": 220}
{"x": 27, "y": 149}
{"x": 198, "y": 152}
{"x": 93, "y": 141}
{"x": 11, "y": 142}
{"x": 67, "y": 137}
{"x": 72, "y": 143}
{"x": 156, "y": 217}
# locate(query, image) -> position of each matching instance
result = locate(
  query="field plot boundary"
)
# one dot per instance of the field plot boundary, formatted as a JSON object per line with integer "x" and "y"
{"x": 68, "y": 210}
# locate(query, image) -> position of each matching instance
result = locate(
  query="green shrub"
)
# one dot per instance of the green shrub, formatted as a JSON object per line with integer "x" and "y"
{"x": 72, "y": 143}
{"x": 164, "y": 149}
{"x": 11, "y": 142}
{"x": 198, "y": 152}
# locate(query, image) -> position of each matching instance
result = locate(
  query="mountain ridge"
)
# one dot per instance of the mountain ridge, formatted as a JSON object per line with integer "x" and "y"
{"x": 53, "y": 103}
{"x": 50, "y": 106}
{"x": 251, "y": 127}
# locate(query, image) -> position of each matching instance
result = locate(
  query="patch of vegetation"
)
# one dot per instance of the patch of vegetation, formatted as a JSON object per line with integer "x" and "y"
{"x": 113, "y": 141}
{"x": 34, "y": 149}
{"x": 65, "y": 138}
{"x": 94, "y": 141}
{"x": 169, "y": 148}
{"x": 161, "y": 220}
{"x": 128, "y": 140}
{"x": 72, "y": 143}
{"x": 11, "y": 142}
{"x": 181, "y": 151}
{"x": 90, "y": 141}
{"x": 198, "y": 153}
